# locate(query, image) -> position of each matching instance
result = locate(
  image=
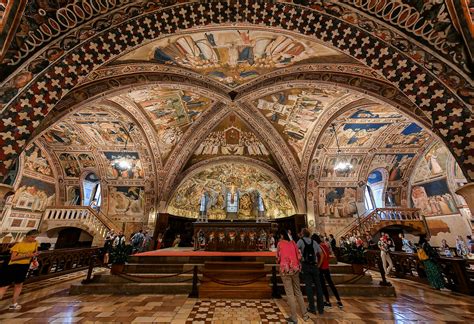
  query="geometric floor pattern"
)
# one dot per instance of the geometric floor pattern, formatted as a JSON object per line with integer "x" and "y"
{"x": 415, "y": 303}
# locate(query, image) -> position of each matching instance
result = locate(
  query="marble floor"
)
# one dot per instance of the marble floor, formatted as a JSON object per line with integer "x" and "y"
{"x": 51, "y": 303}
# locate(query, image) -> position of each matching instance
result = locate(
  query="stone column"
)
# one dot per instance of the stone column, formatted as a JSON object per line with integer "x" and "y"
{"x": 467, "y": 192}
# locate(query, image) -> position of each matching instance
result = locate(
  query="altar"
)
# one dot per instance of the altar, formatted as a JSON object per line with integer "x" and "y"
{"x": 233, "y": 236}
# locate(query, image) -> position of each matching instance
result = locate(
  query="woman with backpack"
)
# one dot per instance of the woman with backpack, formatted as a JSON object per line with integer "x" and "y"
{"x": 325, "y": 274}
{"x": 288, "y": 257}
{"x": 428, "y": 256}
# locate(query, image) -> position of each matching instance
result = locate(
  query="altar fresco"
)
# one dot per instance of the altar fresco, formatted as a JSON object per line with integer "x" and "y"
{"x": 293, "y": 112}
{"x": 232, "y": 137}
{"x": 243, "y": 180}
{"x": 171, "y": 111}
{"x": 236, "y": 56}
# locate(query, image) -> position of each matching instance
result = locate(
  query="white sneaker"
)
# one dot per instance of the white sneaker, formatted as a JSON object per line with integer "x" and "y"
{"x": 14, "y": 306}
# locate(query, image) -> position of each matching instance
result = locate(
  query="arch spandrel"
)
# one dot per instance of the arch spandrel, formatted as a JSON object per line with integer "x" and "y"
{"x": 453, "y": 122}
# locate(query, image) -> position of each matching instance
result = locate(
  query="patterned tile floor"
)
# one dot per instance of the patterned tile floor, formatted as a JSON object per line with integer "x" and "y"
{"x": 414, "y": 304}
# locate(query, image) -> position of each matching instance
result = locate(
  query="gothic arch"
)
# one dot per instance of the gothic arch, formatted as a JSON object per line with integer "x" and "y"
{"x": 449, "y": 114}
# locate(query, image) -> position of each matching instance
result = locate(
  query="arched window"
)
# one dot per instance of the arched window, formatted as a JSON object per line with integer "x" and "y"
{"x": 92, "y": 191}
{"x": 374, "y": 193}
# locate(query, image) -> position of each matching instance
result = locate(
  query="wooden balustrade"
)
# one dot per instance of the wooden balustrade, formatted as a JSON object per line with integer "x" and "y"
{"x": 58, "y": 262}
{"x": 456, "y": 271}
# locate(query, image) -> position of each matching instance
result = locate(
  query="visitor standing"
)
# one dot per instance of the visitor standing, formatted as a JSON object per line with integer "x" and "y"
{"x": 407, "y": 247}
{"x": 325, "y": 273}
{"x": 119, "y": 240}
{"x": 288, "y": 257}
{"x": 387, "y": 263}
{"x": 137, "y": 241}
{"x": 310, "y": 269}
{"x": 428, "y": 255}
{"x": 17, "y": 269}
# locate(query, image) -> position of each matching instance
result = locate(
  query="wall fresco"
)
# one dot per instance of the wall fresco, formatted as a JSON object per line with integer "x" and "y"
{"x": 411, "y": 135}
{"x": 236, "y": 56}
{"x": 337, "y": 202}
{"x": 377, "y": 112}
{"x": 36, "y": 162}
{"x": 217, "y": 181}
{"x": 34, "y": 195}
{"x": 171, "y": 111}
{"x": 396, "y": 164}
{"x": 433, "y": 198}
{"x": 86, "y": 160}
{"x": 433, "y": 164}
{"x": 73, "y": 196}
{"x": 293, "y": 112}
{"x": 114, "y": 169}
{"x": 393, "y": 197}
{"x": 126, "y": 201}
{"x": 232, "y": 137}
{"x": 62, "y": 134}
{"x": 70, "y": 165}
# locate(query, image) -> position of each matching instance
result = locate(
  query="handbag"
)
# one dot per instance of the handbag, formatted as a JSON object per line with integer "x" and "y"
{"x": 422, "y": 254}
{"x": 34, "y": 264}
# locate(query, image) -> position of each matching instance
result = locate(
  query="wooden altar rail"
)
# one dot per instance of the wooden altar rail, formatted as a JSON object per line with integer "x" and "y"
{"x": 85, "y": 215}
{"x": 379, "y": 215}
{"x": 456, "y": 271}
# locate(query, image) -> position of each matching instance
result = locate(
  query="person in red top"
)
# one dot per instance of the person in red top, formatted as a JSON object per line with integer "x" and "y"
{"x": 325, "y": 274}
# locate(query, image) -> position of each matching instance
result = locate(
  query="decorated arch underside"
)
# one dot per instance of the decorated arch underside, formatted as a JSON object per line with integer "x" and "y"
{"x": 252, "y": 81}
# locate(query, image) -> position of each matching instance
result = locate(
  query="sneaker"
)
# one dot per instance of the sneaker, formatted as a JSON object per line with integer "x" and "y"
{"x": 14, "y": 306}
{"x": 339, "y": 304}
{"x": 327, "y": 305}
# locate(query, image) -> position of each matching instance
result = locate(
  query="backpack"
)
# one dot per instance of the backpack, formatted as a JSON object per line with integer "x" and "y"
{"x": 422, "y": 256}
{"x": 308, "y": 253}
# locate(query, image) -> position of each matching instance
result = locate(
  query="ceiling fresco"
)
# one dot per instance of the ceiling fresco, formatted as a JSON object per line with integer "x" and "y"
{"x": 232, "y": 137}
{"x": 235, "y": 56}
{"x": 218, "y": 180}
{"x": 171, "y": 112}
{"x": 63, "y": 134}
{"x": 293, "y": 112}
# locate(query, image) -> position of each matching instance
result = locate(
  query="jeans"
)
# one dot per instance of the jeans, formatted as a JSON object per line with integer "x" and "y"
{"x": 293, "y": 293}
{"x": 325, "y": 276}
{"x": 311, "y": 276}
{"x": 385, "y": 256}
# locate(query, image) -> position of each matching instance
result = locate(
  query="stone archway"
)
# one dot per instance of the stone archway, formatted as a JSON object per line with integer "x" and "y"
{"x": 447, "y": 112}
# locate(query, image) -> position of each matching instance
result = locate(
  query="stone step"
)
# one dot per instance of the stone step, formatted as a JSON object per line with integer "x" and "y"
{"x": 152, "y": 278}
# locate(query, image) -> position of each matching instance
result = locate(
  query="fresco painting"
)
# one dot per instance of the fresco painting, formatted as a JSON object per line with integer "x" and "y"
{"x": 34, "y": 195}
{"x": 73, "y": 196}
{"x": 396, "y": 164}
{"x": 62, "y": 134}
{"x": 241, "y": 180}
{"x": 114, "y": 169}
{"x": 433, "y": 198}
{"x": 376, "y": 112}
{"x": 393, "y": 197}
{"x": 234, "y": 57}
{"x": 411, "y": 135}
{"x": 70, "y": 165}
{"x": 171, "y": 111}
{"x": 86, "y": 160}
{"x": 293, "y": 112}
{"x": 330, "y": 162}
{"x": 106, "y": 133}
{"x": 433, "y": 164}
{"x": 337, "y": 202}
{"x": 36, "y": 162}
{"x": 126, "y": 201}
{"x": 232, "y": 137}
{"x": 360, "y": 135}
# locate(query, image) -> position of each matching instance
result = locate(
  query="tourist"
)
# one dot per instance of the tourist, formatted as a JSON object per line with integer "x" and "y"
{"x": 176, "y": 241}
{"x": 407, "y": 247}
{"x": 137, "y": 241}
{"x": 288, "y": 257}
{"x": 429, "y": 256}
{"x": 17, "y": 269}
{"x": 332, "y": 243}
{"x": 461, "y": 247}
{"x": 119, "y": 240}
{"x": 371, "y": 245}
{"x": 108, "y": 247}
{"x": 325, "y": 274}
{"x": 289, "y": 235}
{"x": 159, "y": 241}
{"x": 310, "y": 269}
{"x": 147, "y": 239}
{"x": 383, "y": 245}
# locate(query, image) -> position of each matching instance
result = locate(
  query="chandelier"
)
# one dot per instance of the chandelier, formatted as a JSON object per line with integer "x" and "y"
{"x": 123, "y": 163}
{"x": 341, "y": 165}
